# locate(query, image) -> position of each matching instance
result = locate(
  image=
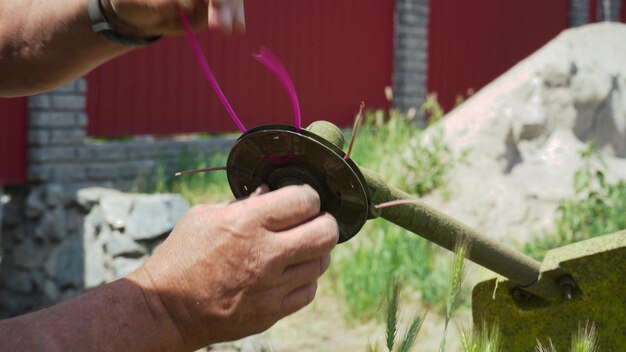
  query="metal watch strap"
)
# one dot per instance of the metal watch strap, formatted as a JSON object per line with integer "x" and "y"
{"x": 100, "y": 25}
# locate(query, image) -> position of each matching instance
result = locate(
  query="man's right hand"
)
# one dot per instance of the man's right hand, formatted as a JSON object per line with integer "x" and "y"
{"x": 231, "y": 272}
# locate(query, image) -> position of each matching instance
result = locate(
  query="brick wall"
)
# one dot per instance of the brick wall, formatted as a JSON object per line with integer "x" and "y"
{"x": 410, "y": 54}
{"x": 59, "y": 151}
{"x": 578, "y": 13}
{"x": 605, "y": 10}
{"x": 609, "y": 10}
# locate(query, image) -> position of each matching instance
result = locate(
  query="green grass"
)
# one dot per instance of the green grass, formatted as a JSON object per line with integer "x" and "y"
{"x": 482, "y": 338}
{"x": 209, "y": 187}
{"x": 597, "y": 208}
{"x": 362, "y": 269}
{"x": 393, "y": 310}
{"x": 585, "y": 339}
{"x": 457, "y": 275}
{"x": 392, "y": 147}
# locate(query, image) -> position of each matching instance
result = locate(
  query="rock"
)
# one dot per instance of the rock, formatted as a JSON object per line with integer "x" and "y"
{"x": 95, "y": 272}
{"x": 93, "y": 224}
{"x": 122, "y": 244}
{"x": 75, "y": 219}
{"x": 178, "y": 207}
{"x": 123, "y": 266}
{"x": 66, "y": 263}
{"x": 55, "y": 195}
{"x": 525, "y": 130}
{"x": 51, "y": 291}
{"x": 19, "y": 281}
{"x": 34, "y": 205}
{"x": 54, "y": 225}
{"x": 115, "y": 209}
{"x": 12, "y": 304}
{"x": 27, "y": 256}
{"x": 87, "y": 197}
{"x": 150, "y": 218}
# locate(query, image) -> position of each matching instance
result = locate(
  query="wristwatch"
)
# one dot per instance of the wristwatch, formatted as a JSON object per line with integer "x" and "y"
{"x": 100, "y": 25}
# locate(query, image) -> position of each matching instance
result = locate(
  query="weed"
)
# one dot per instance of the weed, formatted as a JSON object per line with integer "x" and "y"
{"x": 198, "y": 188}
{"x": 597, "y": 208}
{"x": 482, "y": 338}
{"x": 461, "y": 253}
{"x": 393, "y": 310}
{"x": 585, "y": 339}
{"x": 362, "y": 268}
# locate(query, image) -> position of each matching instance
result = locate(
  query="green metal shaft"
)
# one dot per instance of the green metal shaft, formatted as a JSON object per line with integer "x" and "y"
{"x": 445, "y": 231}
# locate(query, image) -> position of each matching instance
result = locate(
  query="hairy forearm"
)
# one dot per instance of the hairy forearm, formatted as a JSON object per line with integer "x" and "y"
{"x": 121, "y": 316}
{"x": 45, "y": 43}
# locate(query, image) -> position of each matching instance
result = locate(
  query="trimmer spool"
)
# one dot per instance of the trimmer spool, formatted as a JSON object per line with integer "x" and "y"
{"x": 279, "y": 155}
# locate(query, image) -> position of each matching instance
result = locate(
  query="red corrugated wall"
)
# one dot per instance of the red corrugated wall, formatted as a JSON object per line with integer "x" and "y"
{"x": 593, "y": 11}
{"x": 13, "y": 122}
{"x": 338, "y": 54}
{"x": 623, "y": 11}
{"x": 473, "y": 42}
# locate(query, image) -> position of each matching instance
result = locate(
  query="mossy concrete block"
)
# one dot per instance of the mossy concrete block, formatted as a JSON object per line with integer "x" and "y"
{"x": 598, "y": 269}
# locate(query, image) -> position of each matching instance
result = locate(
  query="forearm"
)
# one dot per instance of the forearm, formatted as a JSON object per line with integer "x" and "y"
{"x": 44, "y": 44}
{"x": 121, "y": 316}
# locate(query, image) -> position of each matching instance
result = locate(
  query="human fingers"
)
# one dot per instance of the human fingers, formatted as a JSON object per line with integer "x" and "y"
{"x": 309, "y": 241}
{"x": 239, "y": 24}
{"x": 226, "y": 15}
{"x": 298, "y": 298}
{"x": 285, "y": 208}
{"x": 300, "y": 274}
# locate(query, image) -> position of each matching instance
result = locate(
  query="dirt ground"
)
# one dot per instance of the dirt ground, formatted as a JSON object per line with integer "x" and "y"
{"x": 321, "y": 327}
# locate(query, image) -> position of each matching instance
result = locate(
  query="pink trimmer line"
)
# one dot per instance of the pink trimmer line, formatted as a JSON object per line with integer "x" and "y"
{"x": 272, "y": 63}
{"x": 207, "y": 71}
{"x": 266, "y": 57}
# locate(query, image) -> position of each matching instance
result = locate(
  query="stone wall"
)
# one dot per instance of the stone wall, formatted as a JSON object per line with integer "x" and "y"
{"x": 60, "y": 238}
{"x": 59, "y": 242}
{"x": 410, "y": 54}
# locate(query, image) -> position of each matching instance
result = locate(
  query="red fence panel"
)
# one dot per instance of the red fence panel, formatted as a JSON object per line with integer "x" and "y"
{"x": 593, "y": 11}
{"x": 338, "y": 54}
{"x": 13, "y": 124}
{"x": 473, "y": 42}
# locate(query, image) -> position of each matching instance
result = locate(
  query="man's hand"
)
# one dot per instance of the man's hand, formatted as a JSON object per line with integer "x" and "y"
{"x": 161, "y": 16}
{"x": 232, "y": 272}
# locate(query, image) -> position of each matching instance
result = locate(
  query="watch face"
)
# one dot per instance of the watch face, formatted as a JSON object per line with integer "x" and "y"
{"x": 278, "y": 156}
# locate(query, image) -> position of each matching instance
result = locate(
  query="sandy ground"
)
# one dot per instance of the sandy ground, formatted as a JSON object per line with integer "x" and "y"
{"x": 322, "y": 327}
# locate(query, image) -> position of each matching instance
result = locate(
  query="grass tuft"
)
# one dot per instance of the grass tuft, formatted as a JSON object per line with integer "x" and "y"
{"x": 483, "y": 338}
{"x": 392, "y": 315}
{"x": 408, "y": 342}
{"x": 585, "y": 339}
{"x": 459, "y": 265}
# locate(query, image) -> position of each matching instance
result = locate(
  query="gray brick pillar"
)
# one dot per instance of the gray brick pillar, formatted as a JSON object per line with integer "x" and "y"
{"x": 56, "y": 130}
{"x": 609, "y": 10}
{"x": 578, "y": 13}
{"x": 410, "y": 54}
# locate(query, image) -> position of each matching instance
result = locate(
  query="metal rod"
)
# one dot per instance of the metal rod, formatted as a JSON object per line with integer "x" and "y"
{"x": 443, "y": 230}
